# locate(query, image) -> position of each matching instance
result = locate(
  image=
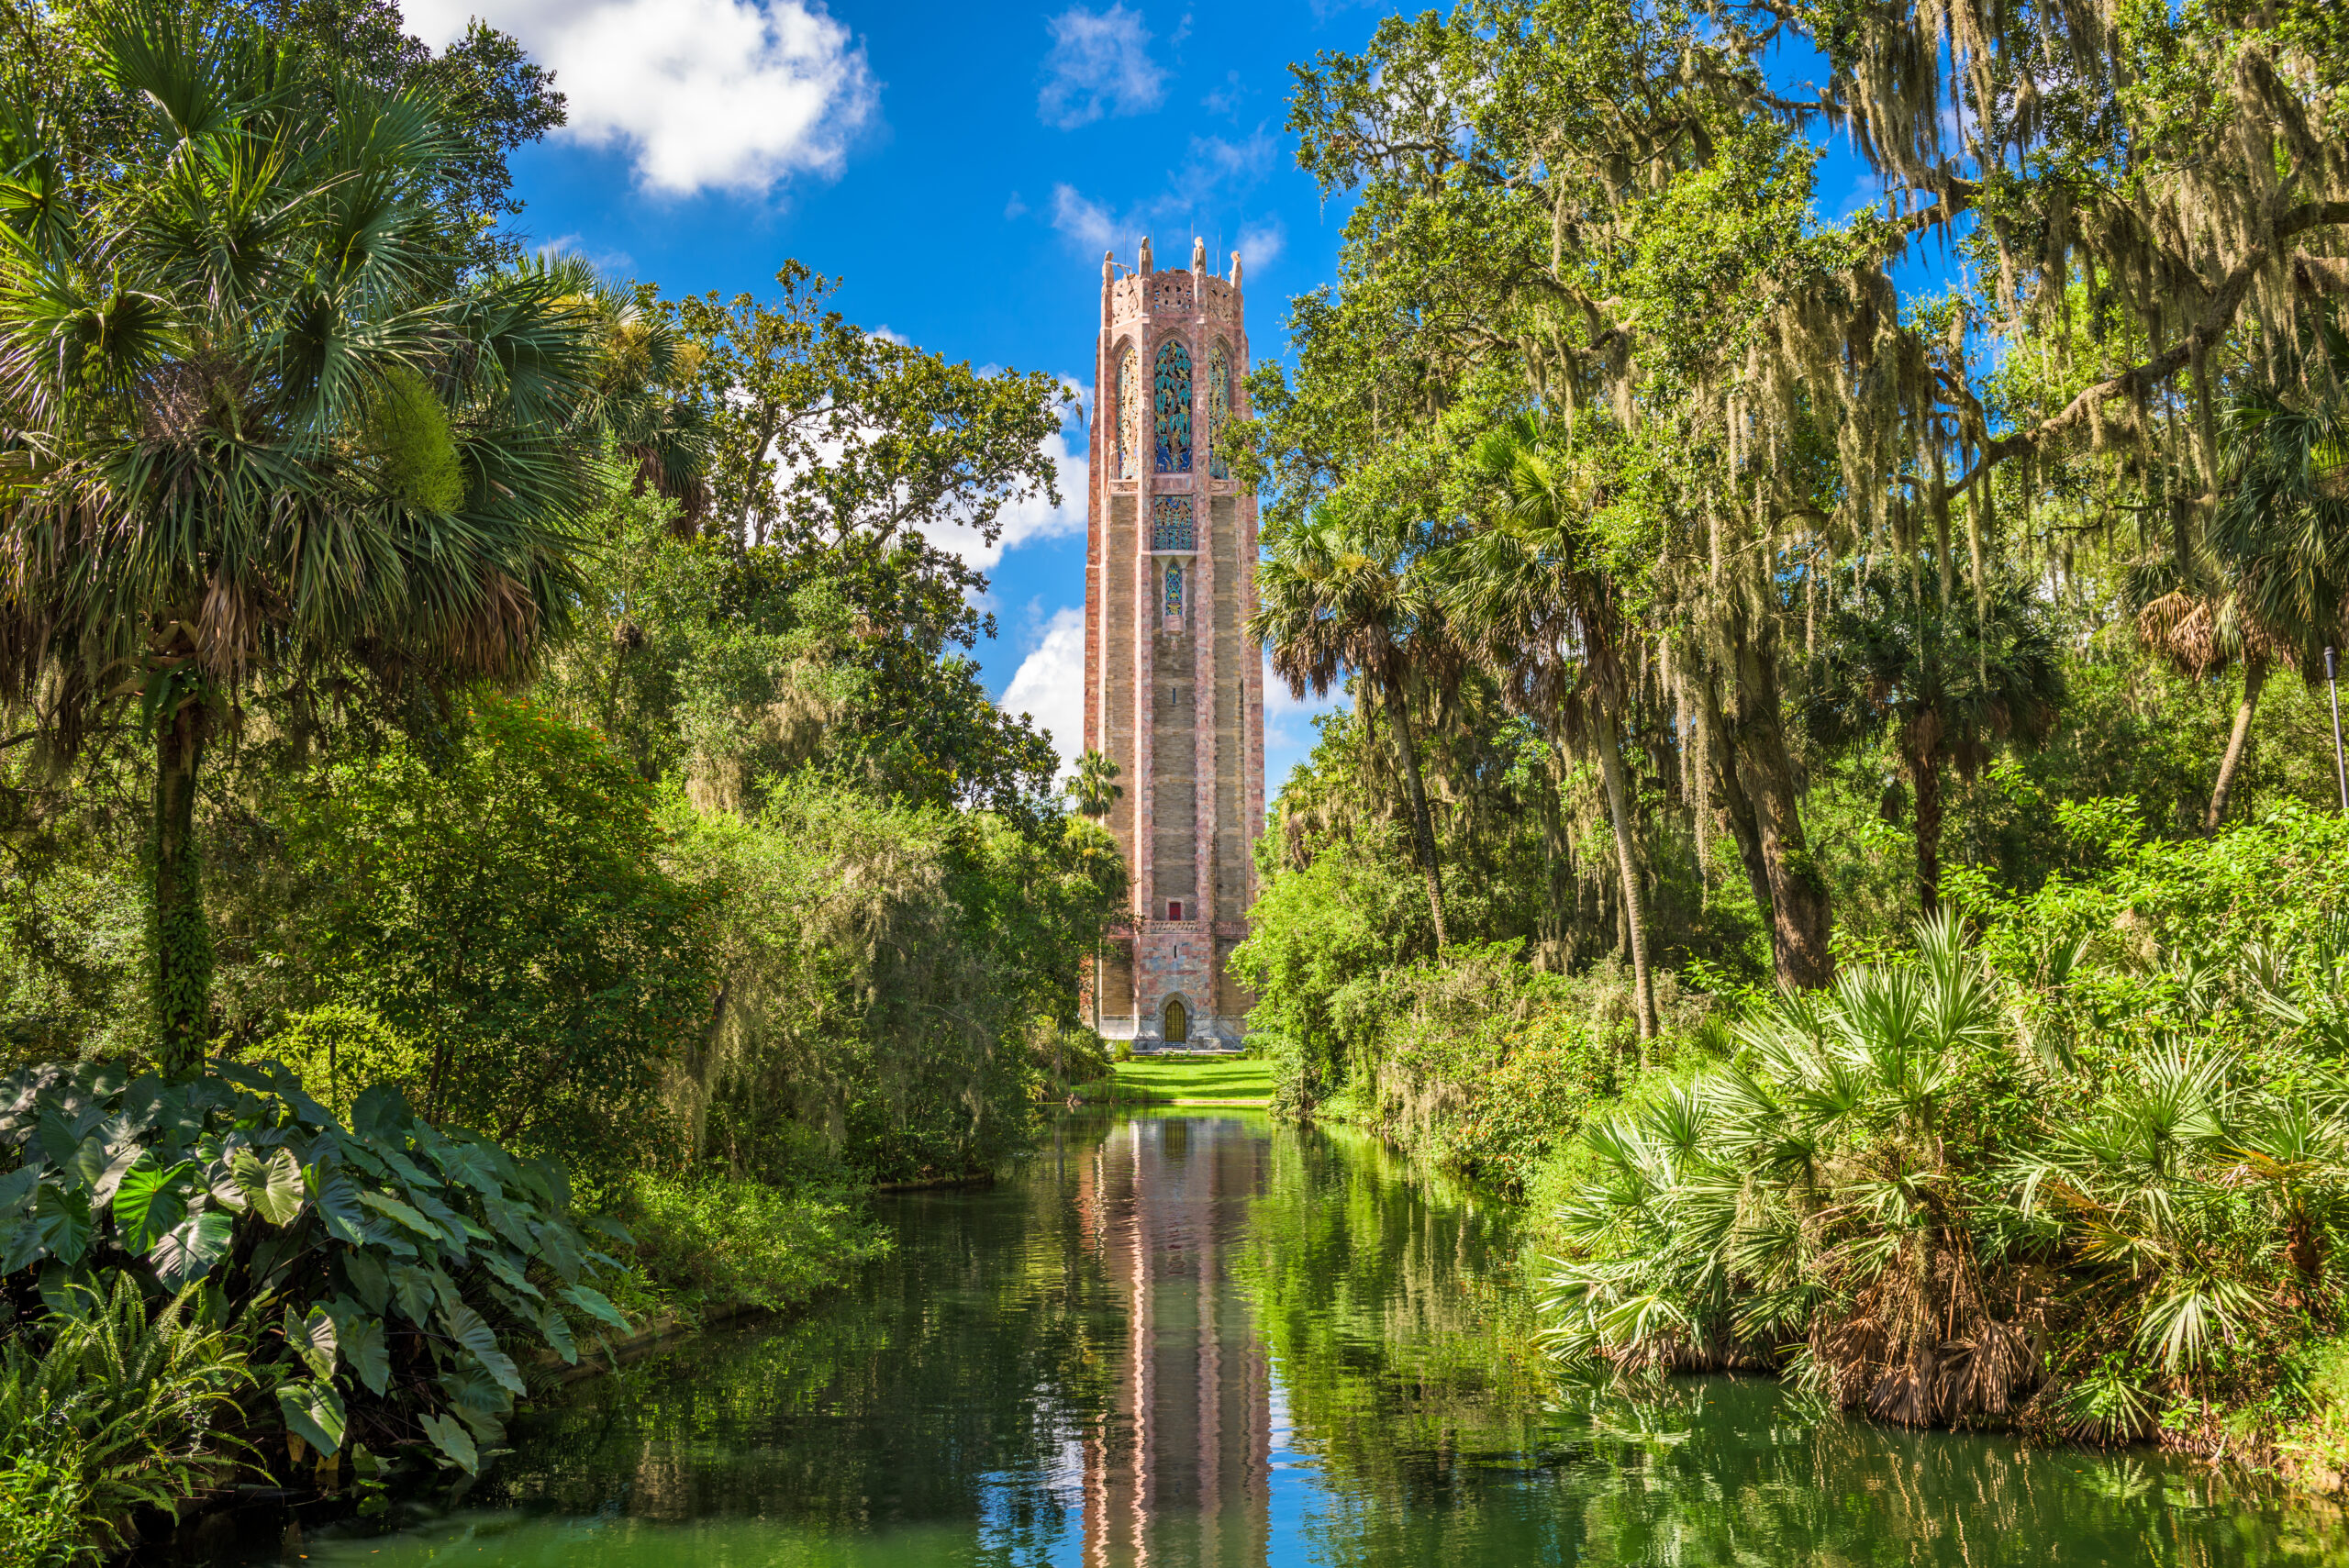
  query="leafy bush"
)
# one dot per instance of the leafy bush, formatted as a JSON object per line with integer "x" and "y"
{"x": 2076, "y": 1178}
{"x": 405, "y": 1264}
{"x": 116, "y": 1413}
{"x": 712, "y": 1241}
{"x": 503, "y": 909}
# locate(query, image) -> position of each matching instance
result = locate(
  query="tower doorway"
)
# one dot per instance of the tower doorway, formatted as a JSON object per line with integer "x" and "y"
{"x": 1178, "y": 1022}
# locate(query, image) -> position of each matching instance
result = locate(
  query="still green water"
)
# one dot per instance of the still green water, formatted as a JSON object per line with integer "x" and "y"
{"x": 1204, "y": 1339}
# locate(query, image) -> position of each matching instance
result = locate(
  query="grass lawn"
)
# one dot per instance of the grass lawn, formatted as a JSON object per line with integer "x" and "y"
{"x": 1185, "y": 1078}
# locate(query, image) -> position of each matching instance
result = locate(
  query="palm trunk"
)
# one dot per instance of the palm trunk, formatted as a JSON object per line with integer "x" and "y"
{"x": 1619, "y": 806}
{"x": 1925, "y": 777}
{"x": 1800, "y": 917}
{"x": 2254, "y": 676}
{"x": 182, "y": 939}
{"x": 1422, "y": 822}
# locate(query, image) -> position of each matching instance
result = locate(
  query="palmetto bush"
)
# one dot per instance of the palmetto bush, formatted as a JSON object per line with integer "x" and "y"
{"x": 1893, "y": 1198}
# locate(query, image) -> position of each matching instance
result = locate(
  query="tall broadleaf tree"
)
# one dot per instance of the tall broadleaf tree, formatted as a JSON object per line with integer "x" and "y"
{"x": 253, "y": 426}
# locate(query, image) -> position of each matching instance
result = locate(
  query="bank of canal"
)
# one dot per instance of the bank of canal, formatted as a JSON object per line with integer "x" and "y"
{"x": 1202, "y": 1338}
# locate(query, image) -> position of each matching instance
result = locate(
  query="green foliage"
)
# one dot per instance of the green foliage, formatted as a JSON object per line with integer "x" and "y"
{"x": 708, "y": 1241}
{"x": 384, "y": 1273}
{"x": 111, "y": 1405}
{"x": 2092, "y": 1177}
{"x": 409, "y": 431}
{"x": 339, "y": 1050}
{"x": 503, "y": 911}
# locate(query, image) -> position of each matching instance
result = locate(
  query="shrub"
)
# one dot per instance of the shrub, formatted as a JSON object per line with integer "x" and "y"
{"x": 403, "y": 1263}
{"x": 715, "y": 1242}
{"x": 114, "y": 1414}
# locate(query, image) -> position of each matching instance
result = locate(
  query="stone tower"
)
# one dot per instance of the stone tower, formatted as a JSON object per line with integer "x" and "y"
{"x": 1173, "y": 690}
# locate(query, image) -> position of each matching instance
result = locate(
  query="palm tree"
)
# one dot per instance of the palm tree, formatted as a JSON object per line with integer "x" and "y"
{"x": 252, "y": 425}
{"x": 2196, "y": 620}
{"x": 2280, "y": 536}
{"x": 1951, "y": 686}
{"x": 1333, "y": 598}
{"x": 1539, "y": 601}
{"x": 1095, "y": 788}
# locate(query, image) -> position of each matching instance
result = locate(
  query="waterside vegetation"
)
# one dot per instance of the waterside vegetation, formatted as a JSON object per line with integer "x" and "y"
{"x": 1818, "y": 817}
{"x": 502, "y": 850}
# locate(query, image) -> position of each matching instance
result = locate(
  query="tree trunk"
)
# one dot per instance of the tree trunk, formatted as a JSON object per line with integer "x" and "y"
{"x": 1422, "y": 821}
{"x": 1800, "y": 916}
{"x": 182, "y": 939}
{"x": 1619, "y": 806}
{"x": 1736, "y": 805}
{"x": 2254, "y": 676}
{"x": 1557, "y": 871}
{"x": 1925, "y": 778}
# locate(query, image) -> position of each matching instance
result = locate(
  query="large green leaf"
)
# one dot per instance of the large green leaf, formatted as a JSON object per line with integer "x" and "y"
{"x": 62, "y": 1222}
{"x": 384, "y": 1203}
{"x": 338, "y": 1200}
{"x": 22, "y": 1246}
{"x": 152, "y": 1200}
{"x": 452, "y": 1439}
{"x": 467, "y": 1327}
{"x": 17, "y": 1189}
{"x": 189, "y": 1249}
{"x": 100, "y": 1168}
{"x": 556, "y": 1329}
{"x": 274, "y": 1187}
{"x": 413, "y": 1292}
{"x": 506, "y": 1269}
{"x": 366, "y": 1347}
{"x": 594, "y": 1303}
{"x": 366, "y": 1276}
{"x": 559, "y": 1245}
{"x": 312, "y": 1338}
{"x": 314, "y": 1413}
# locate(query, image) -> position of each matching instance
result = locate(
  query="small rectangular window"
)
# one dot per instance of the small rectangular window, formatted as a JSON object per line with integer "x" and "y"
{"x": 1174, "y": 911}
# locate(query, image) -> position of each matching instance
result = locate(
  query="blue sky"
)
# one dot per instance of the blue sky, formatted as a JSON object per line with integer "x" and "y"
{"x": 960, "y": 169}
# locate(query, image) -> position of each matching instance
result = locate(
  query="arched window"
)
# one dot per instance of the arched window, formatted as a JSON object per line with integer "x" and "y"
{"x": 1129, "y": 413}
{"x": 1174, "y": 590}
{"x": 1218, "y": 408}
{"x": 1172, "y": 384}
{"x": 1178, "y": 1022}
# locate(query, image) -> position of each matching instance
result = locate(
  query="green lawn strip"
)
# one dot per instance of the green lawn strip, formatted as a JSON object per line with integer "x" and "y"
{"x": 1164, "y": 1079}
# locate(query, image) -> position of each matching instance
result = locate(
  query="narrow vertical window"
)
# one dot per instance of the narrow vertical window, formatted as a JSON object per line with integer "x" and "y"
{"x": 1173, "y": 596}
{"x": 1129, "y": 413}
{"x": 1172, "y": 386}
{"x": 1218, "y": 408}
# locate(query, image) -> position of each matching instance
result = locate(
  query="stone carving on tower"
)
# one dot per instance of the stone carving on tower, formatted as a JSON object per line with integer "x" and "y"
{"x": 1173, "y": 690}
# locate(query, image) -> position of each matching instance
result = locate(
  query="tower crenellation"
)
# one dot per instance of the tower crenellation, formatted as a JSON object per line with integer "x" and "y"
{"x": 1173, "y": 690}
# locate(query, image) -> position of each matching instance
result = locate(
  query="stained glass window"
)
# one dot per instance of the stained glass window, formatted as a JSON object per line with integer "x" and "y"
{"x": 1130, "y": 411}
{"x": 1174, "y": 399}
{"x": 1218, "y": 408}
{"x": 1174, "y": 590}
{"x": 1170, "y": 523}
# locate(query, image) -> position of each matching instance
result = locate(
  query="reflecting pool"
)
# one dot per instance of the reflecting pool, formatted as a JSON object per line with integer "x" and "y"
{"x": 1205, "y": 1340}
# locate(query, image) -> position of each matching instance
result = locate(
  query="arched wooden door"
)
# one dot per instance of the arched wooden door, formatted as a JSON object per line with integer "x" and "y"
{"x": 1178, "y": 1022}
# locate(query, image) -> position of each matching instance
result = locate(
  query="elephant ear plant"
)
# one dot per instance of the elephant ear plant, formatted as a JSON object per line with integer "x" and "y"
{"x": 391, "y": 1274}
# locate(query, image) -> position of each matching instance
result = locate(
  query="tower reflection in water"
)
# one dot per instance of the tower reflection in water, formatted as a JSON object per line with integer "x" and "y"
{"x": 1178, "y": 1467}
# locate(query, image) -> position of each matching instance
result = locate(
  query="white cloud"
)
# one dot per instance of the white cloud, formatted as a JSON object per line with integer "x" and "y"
{"x": 1100, "y": 64}
{"x": 1261, "y": 244}
{"x": 704, "y": 94}
{"x": 1050, "y": 685}
{"x": 1215, "y": 174}
{"x": 1087, "y": 222}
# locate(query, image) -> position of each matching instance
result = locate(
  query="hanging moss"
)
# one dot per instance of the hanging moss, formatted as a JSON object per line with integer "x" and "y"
{"x": 408, "y": 434}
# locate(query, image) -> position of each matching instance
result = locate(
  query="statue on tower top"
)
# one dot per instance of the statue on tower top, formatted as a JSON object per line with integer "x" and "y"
{"x": 1198, "y": 257}
{"x": 1145, "y": 253}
